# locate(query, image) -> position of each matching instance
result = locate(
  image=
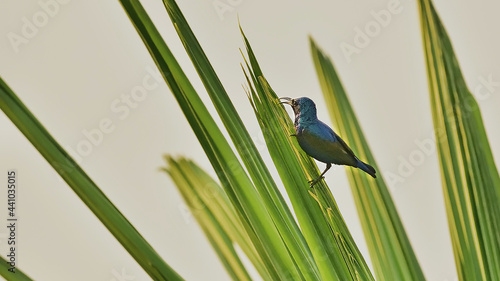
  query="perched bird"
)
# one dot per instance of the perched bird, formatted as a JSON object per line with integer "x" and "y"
{"x": 320, "y": 141}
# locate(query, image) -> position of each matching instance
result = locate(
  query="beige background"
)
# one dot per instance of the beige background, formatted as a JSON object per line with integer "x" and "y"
{"x": 75, "y": 69}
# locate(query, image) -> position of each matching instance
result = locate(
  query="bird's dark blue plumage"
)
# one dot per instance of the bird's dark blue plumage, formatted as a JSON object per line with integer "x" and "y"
{"x": 320, "y": 141}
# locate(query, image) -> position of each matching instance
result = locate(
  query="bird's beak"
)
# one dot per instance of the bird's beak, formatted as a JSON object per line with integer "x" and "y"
{"x": 287, "y": 100}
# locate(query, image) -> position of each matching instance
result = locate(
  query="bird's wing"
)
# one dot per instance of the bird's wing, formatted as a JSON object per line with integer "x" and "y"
{"x": 335, "y": 137}
{"x": 320, "y": 141}
{"x": 324, "y": 131}
{"x": 344, "y": 145}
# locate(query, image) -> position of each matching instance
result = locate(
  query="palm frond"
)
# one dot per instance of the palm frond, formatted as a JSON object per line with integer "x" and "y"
{"x": 247, "y": 201}
{"x": 83, "y": 186}
{"x": 332, "y": 246}
{"x": 471, "y": 183}
{"x": 16, "y": 275}
{"x": 390, "y": 249}
{"x": 211, "y": 208}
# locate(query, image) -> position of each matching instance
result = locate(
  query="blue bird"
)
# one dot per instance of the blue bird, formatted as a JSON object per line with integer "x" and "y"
{"x": 320, "y": 141}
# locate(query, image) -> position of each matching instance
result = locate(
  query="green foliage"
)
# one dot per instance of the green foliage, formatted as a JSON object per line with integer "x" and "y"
{"x": 471, "y": 183}
{"x": 249, "y": 203}
{"x": 247, "y": 208}
{"x": 264, "y": 184}
{"x": 213, "y": 212}
{"x": 390, "y": 250}
{"x": 18, "y": 275}
{"x": 332, "y": 246}
{"x": 83, "y": 186}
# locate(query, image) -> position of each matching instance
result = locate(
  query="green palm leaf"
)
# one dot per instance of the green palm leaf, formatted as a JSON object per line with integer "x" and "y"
{"x": 17, "y": 275}
{"x": 390, "y": 250}
{"x": 471, "y": 183}
{"x": 213, "y": 212}
{"x": 265, "y": 185}
{"x": 84, "y": 187}
{"x": 332, "y": 246}
{"x": 250, "y": 205}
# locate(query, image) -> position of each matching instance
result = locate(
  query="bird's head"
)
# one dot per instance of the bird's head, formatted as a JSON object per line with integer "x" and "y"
{"x": 303, "y": 107}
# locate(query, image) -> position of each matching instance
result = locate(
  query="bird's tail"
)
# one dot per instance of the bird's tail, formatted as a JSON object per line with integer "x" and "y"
{"x": 367, "y": 168}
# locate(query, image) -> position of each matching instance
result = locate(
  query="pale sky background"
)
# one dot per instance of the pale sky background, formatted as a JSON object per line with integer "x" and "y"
{"x": 77, "y": 66}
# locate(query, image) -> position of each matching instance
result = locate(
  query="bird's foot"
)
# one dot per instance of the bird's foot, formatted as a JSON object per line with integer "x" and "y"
{"x": 315, "y": 181}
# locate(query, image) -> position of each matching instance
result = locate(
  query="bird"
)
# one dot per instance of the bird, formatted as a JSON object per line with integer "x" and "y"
{"x": 319, "y": 141}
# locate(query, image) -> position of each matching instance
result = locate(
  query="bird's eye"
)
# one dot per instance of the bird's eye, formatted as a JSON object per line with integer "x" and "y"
{"x": 294, "y": 103}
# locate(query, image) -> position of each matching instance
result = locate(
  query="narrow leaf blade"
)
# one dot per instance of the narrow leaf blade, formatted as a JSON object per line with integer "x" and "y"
{"x": 390, "y": 249}
{"x": 471, "y": 182}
